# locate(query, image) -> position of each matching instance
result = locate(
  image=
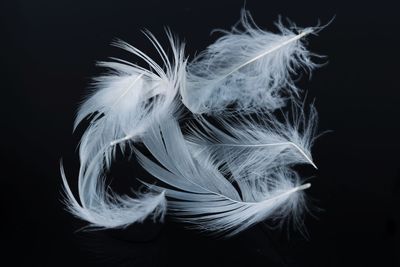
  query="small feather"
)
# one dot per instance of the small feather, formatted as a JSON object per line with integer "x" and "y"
{"x": 122, "y": 107}
{"x": 249, "y": 146}
{"x": 247, "y": 70}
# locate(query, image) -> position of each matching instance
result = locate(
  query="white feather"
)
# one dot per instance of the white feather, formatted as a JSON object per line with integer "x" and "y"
{"x": 246, "y": 70}
{"x": 253, "y": 145}
{"x": 122, "y": 107}
{"x": 201, "y": 195}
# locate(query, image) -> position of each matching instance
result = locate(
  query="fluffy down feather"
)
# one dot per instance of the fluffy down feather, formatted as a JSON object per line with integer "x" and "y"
{"x": 251, "y": 145}
{"x": 247, "y": 70}
{"x": 122, "y": 107}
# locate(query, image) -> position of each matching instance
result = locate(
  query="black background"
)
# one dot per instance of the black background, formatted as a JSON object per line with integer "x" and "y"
{"x": 48, "y": 53}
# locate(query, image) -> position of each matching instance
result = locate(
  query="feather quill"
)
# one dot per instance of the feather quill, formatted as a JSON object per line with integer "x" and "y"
{"x": 247, "y": 70}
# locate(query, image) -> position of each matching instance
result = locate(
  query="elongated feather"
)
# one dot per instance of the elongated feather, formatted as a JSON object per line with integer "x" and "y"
{"x": 249, "y": 146}
{"x": 247, "y": 70}
{"x": 124, "y": 103}
{"x": 202, "y": 196}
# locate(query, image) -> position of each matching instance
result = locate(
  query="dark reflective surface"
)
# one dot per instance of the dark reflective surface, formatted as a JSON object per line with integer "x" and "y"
{"x": 48, "y": 53}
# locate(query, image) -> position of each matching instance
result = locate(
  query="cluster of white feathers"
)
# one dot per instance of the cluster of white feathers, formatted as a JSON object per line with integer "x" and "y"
{"x": 232, "y": 166}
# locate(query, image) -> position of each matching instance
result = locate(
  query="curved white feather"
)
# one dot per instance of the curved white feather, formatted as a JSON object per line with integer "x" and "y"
{"x": 253, "y": 145}
{"x": 122, "y": 107}
{"x": 246, "y": 70}
{"x": 199, "y": 194}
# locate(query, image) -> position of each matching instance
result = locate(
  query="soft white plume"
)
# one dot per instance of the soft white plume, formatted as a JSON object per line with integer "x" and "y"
{"x": 247, "y": 69}
{"x": 252, "y": 145}
{"x": 122, "y": 107}
{"x": 200, "y": 194}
